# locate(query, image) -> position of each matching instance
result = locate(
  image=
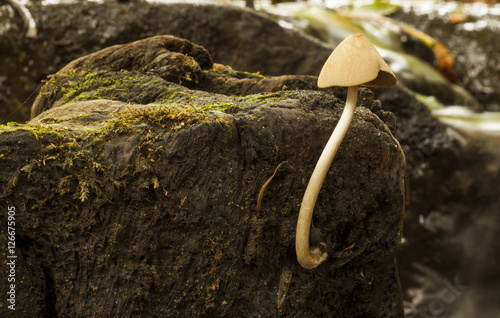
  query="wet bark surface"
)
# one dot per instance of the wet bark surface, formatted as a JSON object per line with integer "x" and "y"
{"x": 133, "y": 205}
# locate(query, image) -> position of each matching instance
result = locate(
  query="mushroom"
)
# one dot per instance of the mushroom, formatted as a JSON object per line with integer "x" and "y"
{"x": 353, "y": 63}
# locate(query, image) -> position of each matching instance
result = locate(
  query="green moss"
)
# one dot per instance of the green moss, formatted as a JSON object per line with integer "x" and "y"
{"x": 126, "y": 86}
{"x": 10, "y": 124}
{"x": 266, "y": 98}
{"x": 172, "y": 118}
{"x": 35, "y": 130}
{"x": 51, "y": 120}
{"x": 221, "y": 106}
{"x": 239, "y": 74}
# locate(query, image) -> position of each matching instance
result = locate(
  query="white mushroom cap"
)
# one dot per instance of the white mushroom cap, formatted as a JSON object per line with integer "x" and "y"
{"x": 356, "y": 62}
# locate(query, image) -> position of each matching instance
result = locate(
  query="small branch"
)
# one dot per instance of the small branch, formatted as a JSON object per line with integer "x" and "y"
{"x": 261, "y": 193}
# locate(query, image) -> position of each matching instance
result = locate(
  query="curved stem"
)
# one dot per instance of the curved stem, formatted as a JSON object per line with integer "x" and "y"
{"x": 310, "y": 258}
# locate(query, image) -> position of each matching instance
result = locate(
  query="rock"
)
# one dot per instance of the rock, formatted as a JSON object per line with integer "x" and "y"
{"x": 135, "y": 190}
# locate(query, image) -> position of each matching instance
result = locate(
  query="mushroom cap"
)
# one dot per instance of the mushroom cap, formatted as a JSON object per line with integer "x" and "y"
{"x": 356, "y": 62}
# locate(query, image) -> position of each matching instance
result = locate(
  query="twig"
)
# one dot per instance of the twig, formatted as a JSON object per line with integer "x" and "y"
{"x": 261, "y": 193}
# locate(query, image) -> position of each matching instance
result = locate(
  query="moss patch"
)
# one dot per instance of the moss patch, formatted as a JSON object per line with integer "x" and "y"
{"x": 266, "y": 98}
{"x": 172, "y": 118}
{"x": 80, "y": 153}
{"x": 123, "y": 86}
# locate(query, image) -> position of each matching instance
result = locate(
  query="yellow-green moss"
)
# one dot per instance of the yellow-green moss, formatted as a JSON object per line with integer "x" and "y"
{"x": 239, "y": 74}
{"x": 126, "y": 86}
{"x": 35, "y": 130}
{"x": 172, "y": 118}
{"x": 236, "y": 74}
{"x": 266, "y": 98}
{"x": 81, "y": 151}
{"x": 51, "y": 120}
{"x": 221, "y": 106}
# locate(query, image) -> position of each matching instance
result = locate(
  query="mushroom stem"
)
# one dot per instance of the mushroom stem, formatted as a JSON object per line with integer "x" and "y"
{"x": 311, "y": 258}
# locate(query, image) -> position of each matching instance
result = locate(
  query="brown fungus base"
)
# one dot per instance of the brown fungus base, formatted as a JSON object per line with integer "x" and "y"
{"x": 144, "y": 205}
